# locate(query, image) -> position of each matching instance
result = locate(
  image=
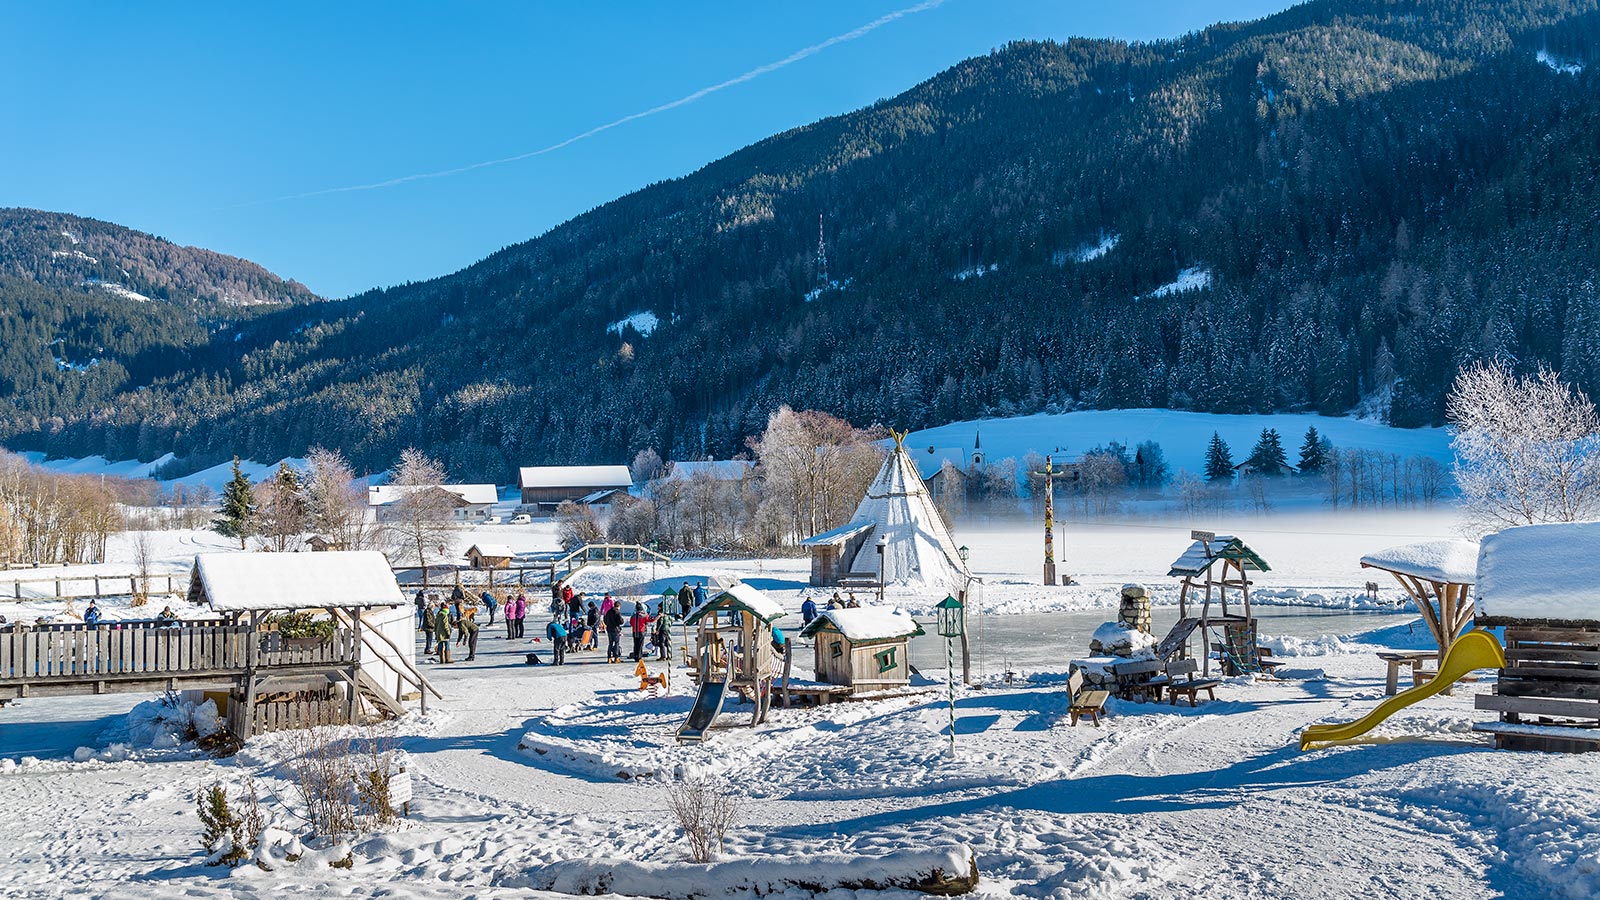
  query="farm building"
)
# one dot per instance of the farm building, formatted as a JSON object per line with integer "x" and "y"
{"x": 546, "y": 487}
{"x": 490, "y": 556}
{"x": 864, "y": 648}
{"x": 467, "y": 501}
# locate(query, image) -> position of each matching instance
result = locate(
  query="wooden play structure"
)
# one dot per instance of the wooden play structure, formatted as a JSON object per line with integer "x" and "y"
{"x": 237, "y": 655}
{"x": 1215, "y": 568}
{"x": 1540, "y": 583}
{"x": 864, "y": 649}
{"x": 1438, "y": 576}
{"x": 733, "y": 655}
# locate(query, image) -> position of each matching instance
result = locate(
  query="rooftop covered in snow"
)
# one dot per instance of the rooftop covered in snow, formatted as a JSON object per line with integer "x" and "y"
{"x": 261, "y": 582}
{"x": 592, "y": 477}
{"x": 1202, "y": 555}
{"x": 741, "y": 597}
{"x": 865, "y": 624}
{"x": 1446, "y": 562}
{"x": 471, "y": 494}
{"x": 1543, "y": 573}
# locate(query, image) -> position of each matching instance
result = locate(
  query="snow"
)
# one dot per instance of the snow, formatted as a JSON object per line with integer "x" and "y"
{"x": 119, "y": 290}
{"x": 1119, "y": 638}
{"x": 1541, "y": 572}
{"x": 63, "y": 365}
{"x": 472, "y": 494}
{"x": 1200, "y": 555}
{"x": 753, "y": 599}
{"x": 214, "y": 477}
{"x": 1094, "y": 251}
{"x": 977, "y": 271}
{"x": 236, "y": 582}
{"x": 1193, "y": 278}
{"x": 823, "y": 289}
{"x": 574, "y": 477}
{"x": 1557, "y": 64}
{"x": 1183, "y": 435}
{"x": 1450, "y": 562}
{"x": 866, "y": 623}
{"x": 918, "y": 548}
{"x": 644, "y": 322}
{"x": 526, "y": 773}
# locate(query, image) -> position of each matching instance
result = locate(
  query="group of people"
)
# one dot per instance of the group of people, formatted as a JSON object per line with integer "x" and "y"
{"x": 441, "y": 620}
{"x": 576, "y": 625}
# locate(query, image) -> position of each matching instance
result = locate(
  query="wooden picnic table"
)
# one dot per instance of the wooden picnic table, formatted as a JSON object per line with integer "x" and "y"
{"x": 1398, "y": 658}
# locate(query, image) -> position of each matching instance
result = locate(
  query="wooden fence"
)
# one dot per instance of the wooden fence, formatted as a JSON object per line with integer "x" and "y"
{"x": 84, "y": 652}
{"x": 278, "y": 715}
{"x": 103, "y": 586}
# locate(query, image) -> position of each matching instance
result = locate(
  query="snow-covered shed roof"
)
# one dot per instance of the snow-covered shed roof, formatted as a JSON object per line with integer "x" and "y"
{"x": 1540, "y": 572}
{"x": 1196, "y": 559}
{"x": 505, "y": 551}
{"x": 471, "y": 494}
{"x": 719, "y": 469}
{"x": 601, "y": 496}
{"x": 865, "y": 624}
{"x": 740, "y": 596}
{"x": 838, "y": 535}
{"x": 241, "y": 582}
{"x": 1446, "y": 562}
{"x": 591, "y": 477}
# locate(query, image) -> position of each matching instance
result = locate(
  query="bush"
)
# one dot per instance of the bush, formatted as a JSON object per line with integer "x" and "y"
{"x": 303, "y": 624}
{"x": 705, "y": 813}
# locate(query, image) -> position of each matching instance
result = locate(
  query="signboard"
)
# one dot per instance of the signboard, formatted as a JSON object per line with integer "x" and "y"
{"x": 399, "y": 789}
{"x": 1203, "y": 536}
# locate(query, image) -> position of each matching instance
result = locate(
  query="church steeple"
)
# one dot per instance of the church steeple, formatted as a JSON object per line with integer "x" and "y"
{"x": 977, "y": 448}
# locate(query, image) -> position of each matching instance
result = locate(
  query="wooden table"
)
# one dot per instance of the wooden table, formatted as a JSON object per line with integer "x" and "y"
{"x": 1398, "y": 658}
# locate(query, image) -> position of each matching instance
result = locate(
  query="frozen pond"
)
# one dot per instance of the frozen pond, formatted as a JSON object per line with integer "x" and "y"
{"x": 1047, "y": 641}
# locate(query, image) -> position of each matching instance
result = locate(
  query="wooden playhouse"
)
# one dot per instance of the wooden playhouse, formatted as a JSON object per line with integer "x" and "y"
{"x": 1540, "y": 583}
{"x": 864, "y": 649}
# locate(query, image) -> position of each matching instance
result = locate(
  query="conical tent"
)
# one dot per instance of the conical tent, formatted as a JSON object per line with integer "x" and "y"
{"x": 918, "y": 547}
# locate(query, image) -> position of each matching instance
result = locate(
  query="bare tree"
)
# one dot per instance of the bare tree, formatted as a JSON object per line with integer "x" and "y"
{"x": 816, "y": 466}
{"x": 705, "y": 811}
{"x": 1526, "y": 448}
{"x": 576, "y": 525}
{"x": 283, "y": 515}
{"x": 143, "y": 557}
{"x": 336, "y": 505}
{"x": 420, "y": 522}
{"x": 647, "y": 466}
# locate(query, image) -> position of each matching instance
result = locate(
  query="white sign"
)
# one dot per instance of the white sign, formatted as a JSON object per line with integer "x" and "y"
{"x": 1205, "y": 536}
{"x": 399, "y": 789}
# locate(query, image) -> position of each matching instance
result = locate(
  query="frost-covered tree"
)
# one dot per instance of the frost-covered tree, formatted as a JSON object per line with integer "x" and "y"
{"x": 283, "y": 515}
{"x": 336, "y": 506}
{"x": 1526, "y": 448}
{"x": 1219, "y": 459}
{"x": 647, "y": 466}
{"x": 239, "y": 516}
{"x": 420, "y": 524}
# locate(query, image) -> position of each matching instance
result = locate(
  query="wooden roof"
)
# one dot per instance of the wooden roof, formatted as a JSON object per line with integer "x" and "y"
{"x": 1198, "y": 558}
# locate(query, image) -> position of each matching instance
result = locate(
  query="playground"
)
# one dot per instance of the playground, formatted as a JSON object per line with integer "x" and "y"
{"x": 520, "y": 769}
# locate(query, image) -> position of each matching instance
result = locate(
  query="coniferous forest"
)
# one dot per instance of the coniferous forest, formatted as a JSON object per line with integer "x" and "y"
{"x": 1332, "y": 209}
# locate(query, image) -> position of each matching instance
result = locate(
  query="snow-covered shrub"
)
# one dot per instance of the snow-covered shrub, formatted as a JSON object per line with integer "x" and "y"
{"x": 705, "y": 812}
{"x": 171, "y": 722}
{"x": 222, "y": 827}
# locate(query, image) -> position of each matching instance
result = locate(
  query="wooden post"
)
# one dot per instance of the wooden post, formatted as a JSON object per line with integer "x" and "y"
{"x": 352, "y": 702}
{"x": 252, "y": 651}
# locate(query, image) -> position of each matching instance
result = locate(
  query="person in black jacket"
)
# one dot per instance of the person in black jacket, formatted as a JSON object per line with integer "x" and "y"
{"x": 613, "y": 619}
{"x": 685, "y": 599}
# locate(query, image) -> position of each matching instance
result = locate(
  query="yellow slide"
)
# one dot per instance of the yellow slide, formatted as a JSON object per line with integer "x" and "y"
{"x": 1474, "y": 650}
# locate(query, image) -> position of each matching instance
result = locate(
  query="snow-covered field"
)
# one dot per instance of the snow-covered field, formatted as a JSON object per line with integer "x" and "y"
{"x": 523, "y": 768}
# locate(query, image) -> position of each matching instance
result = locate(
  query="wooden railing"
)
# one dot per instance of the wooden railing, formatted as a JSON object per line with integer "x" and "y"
{"x": 89, "y": 652}
{"x": 101, "y": 585}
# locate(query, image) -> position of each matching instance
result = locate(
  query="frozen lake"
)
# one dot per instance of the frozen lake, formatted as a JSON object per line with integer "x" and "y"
{"x": 1047, "y": 641}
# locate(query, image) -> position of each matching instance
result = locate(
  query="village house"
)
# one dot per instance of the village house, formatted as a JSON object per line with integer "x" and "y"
{"x": 546, "y": 487}
{"x": 468, "y": 502}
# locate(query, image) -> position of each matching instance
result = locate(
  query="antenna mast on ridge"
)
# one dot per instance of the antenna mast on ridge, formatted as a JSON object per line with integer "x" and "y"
{"x": 822, "y": 255}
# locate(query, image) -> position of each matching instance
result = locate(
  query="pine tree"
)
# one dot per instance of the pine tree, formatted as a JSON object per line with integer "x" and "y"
{"x": 1267, "y": 456}
{"x": 1219, "y": 459}
{"x": 238, "y": 516}
{"x": 1313, "y": 452}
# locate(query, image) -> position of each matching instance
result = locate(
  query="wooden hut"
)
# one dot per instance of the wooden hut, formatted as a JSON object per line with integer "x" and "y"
{"x": 322, "y": 543}
{"x": 1214, "y": 567}
{"x": 490, "y": 556}
{"x": 1540, "y": 583}
{"x": 865, "y": 649}
{"x": 369, "y": 652}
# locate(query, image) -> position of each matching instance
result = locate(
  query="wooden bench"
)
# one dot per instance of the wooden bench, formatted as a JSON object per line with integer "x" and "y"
{"x": 1082, "y": 702}
{"x": 1180, "y": 681}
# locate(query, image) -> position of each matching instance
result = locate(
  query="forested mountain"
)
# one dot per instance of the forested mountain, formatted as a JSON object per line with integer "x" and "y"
{"x": 1328, "y": 209}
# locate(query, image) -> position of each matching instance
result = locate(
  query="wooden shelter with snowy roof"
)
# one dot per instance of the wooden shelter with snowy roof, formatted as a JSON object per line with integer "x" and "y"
{"x": 1438, "y": 576}
{"x": 898, "y": 516}
{"x": 864, "y": 648}
{"x": 1541, "y": 583}
{"x": 1214, "y": 567}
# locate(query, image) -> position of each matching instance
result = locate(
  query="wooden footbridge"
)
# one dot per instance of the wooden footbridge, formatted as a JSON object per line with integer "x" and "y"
{"x": 549, "y": 569}
{"x": 264, "y": 680}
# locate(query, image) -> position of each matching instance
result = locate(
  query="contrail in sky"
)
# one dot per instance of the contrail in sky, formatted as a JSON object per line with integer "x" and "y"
{"x": 685, "y": 100}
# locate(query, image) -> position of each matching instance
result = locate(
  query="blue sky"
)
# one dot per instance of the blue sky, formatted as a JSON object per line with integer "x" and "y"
{"x": 196, "y": 122}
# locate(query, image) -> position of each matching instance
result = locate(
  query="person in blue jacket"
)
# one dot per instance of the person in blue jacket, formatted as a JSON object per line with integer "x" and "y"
{"x": 780, "y": 641}
{"x": 808, "y": 611}
{"x": 91, "y": 616}
{"x": 558, "y": 641}
{"x": 488, "y": 604}
{"x": 700, "y": 595}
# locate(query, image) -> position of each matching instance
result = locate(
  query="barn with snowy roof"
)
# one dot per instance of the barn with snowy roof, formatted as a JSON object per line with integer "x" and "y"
{"x": 864, "y": 648}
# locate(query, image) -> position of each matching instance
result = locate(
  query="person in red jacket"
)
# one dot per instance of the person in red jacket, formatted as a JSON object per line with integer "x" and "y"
{"x": 639, "y": 625}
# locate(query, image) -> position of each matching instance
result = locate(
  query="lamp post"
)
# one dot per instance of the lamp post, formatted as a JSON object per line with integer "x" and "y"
{"x": 883, "y": 542}
{"x": 952, "y": 624}
{"x": 966, "y": 588}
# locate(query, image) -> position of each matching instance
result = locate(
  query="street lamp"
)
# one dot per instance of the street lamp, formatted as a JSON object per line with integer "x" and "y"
{"x": 883, "y": 542}
{"x": 952, "y": 624}
{"x": 966, "y": 589}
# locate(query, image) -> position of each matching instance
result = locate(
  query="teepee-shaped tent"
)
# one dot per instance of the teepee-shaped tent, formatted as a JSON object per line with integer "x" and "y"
{"x": 917, "y": 546}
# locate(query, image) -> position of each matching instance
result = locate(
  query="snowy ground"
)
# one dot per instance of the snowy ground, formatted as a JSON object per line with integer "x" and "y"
{"x": 523, "y": 766}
